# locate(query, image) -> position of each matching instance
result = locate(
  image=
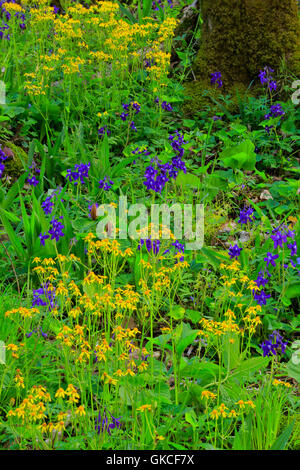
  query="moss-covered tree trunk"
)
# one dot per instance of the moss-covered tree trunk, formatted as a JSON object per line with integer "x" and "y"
{"x": 240, "y": 37}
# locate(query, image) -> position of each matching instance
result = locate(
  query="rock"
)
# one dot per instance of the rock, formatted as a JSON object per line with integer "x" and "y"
{"x": 265, "y": 195}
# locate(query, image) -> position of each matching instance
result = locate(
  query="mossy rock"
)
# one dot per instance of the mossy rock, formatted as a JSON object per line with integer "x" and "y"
{"x": 239, "y": 38}
{"x": 14, "y": 165}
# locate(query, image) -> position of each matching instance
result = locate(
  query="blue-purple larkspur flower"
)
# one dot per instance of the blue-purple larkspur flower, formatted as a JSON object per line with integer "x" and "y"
{"x": 32, "y": 181}
{"x": 216, "y": 79}
{"x": 234, "y": 251}
{"x": 260, "y": 297}
{"x": 152, "y": 246}
{"x": 274, "y": 344}
{"x": 80, "y": 172}
{"x": 43, "y": 238}
{"x": 56, "y": 229}
{"x": 246, "y": 215}
{"x": 102, "y": 423}
{"x": 270, "y": 259}
{"x": 106, "y": 183}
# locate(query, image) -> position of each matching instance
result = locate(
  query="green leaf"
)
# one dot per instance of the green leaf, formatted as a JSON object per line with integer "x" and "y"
{"x": 231, "y": 350}
{"x": 117, "y": 170}
{"x": 241, "y": 156}
{"x": 14, "y": 239}
{"x": 127, "y": 13}
{"x": 282, "y": 441}
{"x": 245, "y": 370}
{"x": 177, "y": 312}
{"x": 12, "y": 193}
{"x": 293, "y": 371}
{"x": 293, "y": 290}
{"x": 191, "y": 418}
{"x": 213, "y": 258}
{"x": 188, "y": 179}
{"x": 193, "y": 315}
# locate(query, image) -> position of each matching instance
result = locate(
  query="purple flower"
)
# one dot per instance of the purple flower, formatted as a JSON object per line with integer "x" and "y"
{"x": 180, "y": 247}
{"x": 266, "y": 78}
{"x": 105, "y": 184}
{"x": 262, "y": 281}
{"x": 177, "y": 141}
{"x": 103, "y": 130}
{"x": 28, "y": 335}
{"x": 268, "y": 129}
{"x": 102, "y": 425}
{"x": 276, "y": 110}
{"x": 158, "y": 3}
{"x": 123, "y": 116}
{"x": 3, "y": 157}
{"x": 216, "y": 78}
{"x": 234, "y": 251}
{"x": 260, "y": 297}
{"x": 44, "y": 296}
{"x": 293, "y": 248}
{"x": 270, "y": 259}
{"x": 48, "y": 205}
{"x": 132, "y": 126}
{"x": 136, "y": 106}
{"x": 43, "y": 238}
{"x": 56, "y": 229}
{"x": 245, "y": 216}
{"x": 80, "y": 171}
{"x": 166, "y": 106}
{"x": 272, "y": 85}
{"x": 32, "y": 181}
{"x": 152, "y": 246}
{"x": 272, "y": 345}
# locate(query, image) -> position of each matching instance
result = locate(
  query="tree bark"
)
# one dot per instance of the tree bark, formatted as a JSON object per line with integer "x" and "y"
{"x": 240, "y": 37}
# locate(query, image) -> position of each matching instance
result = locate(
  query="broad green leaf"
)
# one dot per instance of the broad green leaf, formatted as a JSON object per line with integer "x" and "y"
{"x": 293, "y": 290}
{"x": 177, "y": 312}
{"x": 282, "y": 441}
{"x": 188, "y": 179}
{"x": 245, "y": 370}
{"x": 241, "y": 156}
{"x": 293, "y": 371}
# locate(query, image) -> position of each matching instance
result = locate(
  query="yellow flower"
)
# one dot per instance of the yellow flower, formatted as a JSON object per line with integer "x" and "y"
{"x": 207, "y": 394}
{"x": 80, "y": 411}
{"x": 60, "y": 393}
{"x": 144, "y": 408}
{"x": 60, "y": 426}
{"x": 241, "y": 404}
{"x": 214, "y": 414}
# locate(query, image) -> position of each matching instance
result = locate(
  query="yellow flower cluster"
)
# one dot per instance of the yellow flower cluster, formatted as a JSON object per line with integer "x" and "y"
{"x": 281, "y": 383}
{"x": 34, "y": 408}
{"x": 14, "y": 348}
{"x": 219, "y": 328}
{"x": 19, "y": 379}
{"x": 221, "y": 411}
{"x": 98, "y": 38}
{"x": 23, "y": 312}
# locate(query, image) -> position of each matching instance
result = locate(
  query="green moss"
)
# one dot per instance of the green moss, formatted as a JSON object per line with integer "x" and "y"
{"x": 240, "y": 37}
{"x": 14, "y": 166}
